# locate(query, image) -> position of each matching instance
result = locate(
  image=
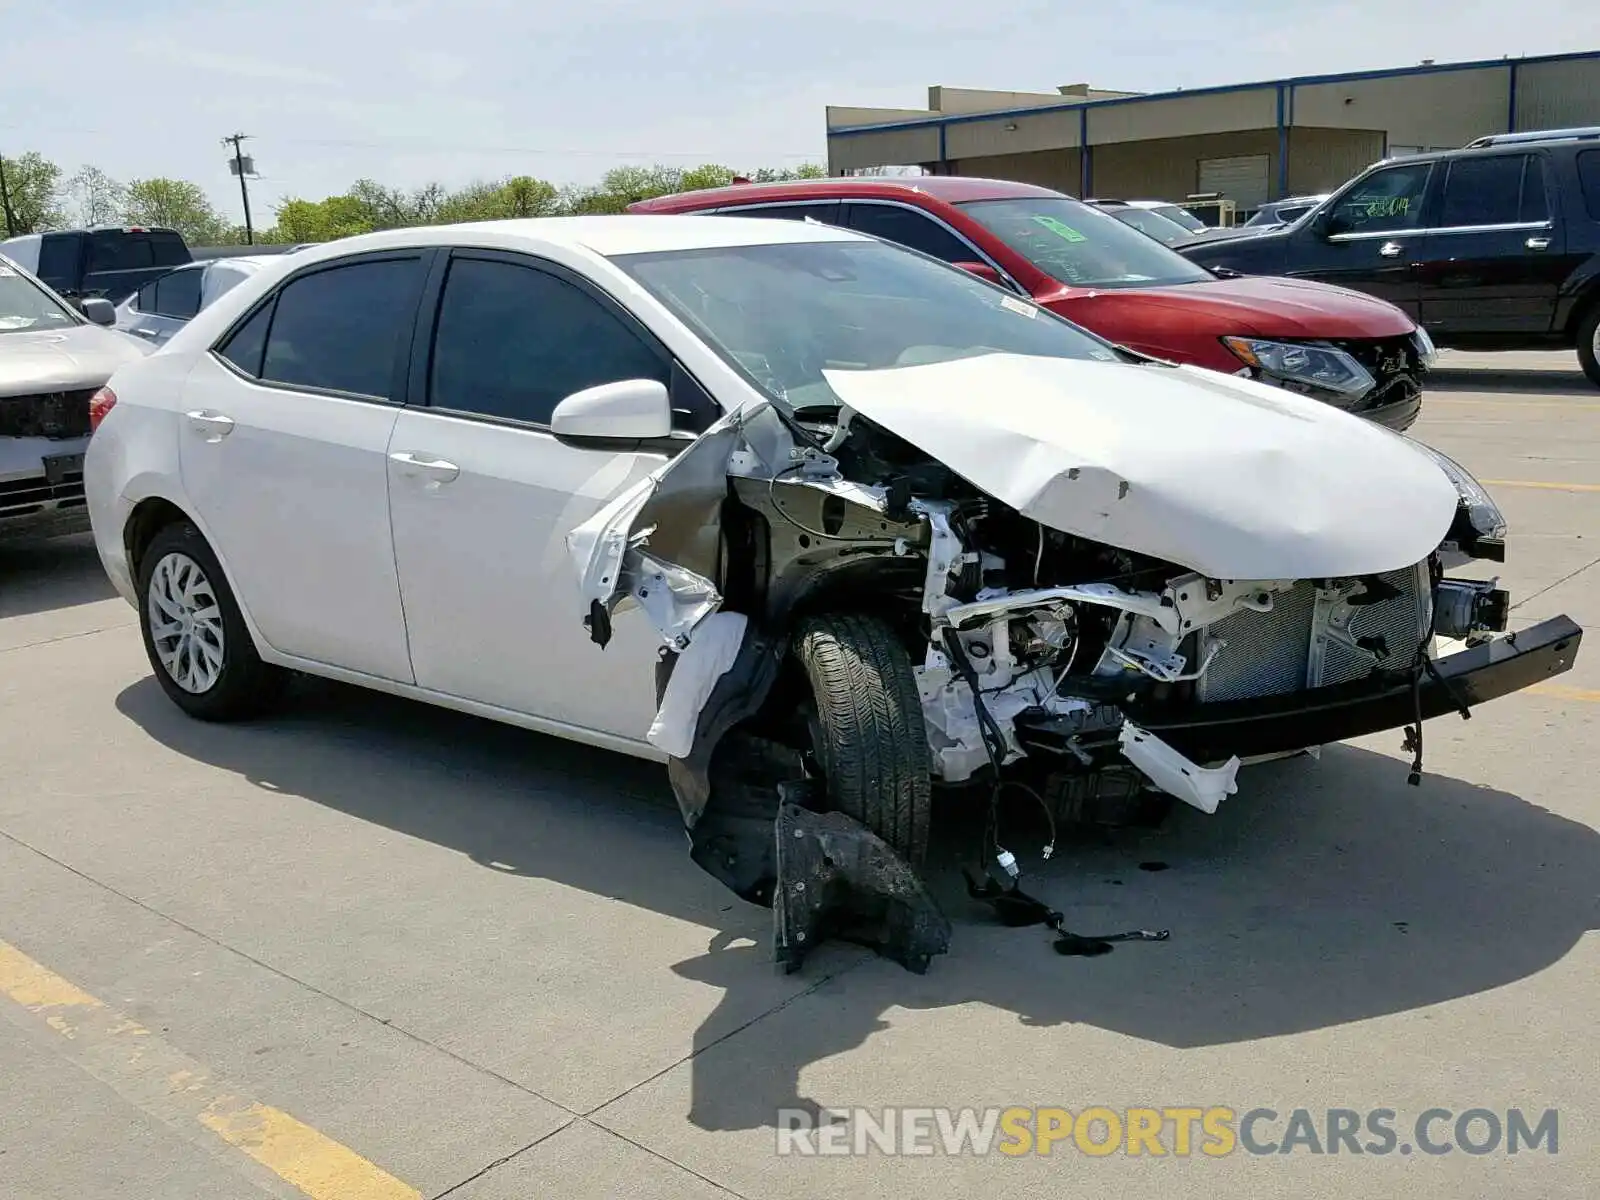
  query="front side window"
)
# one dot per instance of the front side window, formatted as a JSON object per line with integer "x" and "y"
{"x": 1487, "y": 191}
{"x": 340, "y": 329}
{"x": 786, "y": 314}
{"x": 513, "y": 342}
{"x": 23, "y": 305}
{"x": 907, "y": 228}
{"x": 1080, "y": 245}
{"x": 1387, "y": 199}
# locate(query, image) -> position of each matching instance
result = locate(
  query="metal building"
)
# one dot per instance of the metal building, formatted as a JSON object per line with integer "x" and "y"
{"x": 1253, "y": 142}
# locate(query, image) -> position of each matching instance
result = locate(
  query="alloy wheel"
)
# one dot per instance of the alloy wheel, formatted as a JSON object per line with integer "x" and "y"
{"x": 186, "y": 623}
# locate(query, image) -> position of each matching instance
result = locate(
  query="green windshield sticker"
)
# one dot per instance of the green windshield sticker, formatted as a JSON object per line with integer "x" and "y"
{"x": 1060, "y": 228}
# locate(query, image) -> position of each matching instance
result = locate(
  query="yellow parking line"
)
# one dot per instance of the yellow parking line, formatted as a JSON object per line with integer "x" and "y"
{"x": 183, "y": 1093}
{"x": 1536, "y": 483}
{"x": 1561, "y": 691}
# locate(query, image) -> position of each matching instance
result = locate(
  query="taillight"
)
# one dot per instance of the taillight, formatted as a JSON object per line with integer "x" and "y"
{"x": 100, "y": 404}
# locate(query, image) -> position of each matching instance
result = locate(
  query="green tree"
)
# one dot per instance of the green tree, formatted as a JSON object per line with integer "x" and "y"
{"x": 99, "y": 198}
{"x": 321, "y": 220}
{"x": 33, "y": 184}
{"x": 175, "y": 204}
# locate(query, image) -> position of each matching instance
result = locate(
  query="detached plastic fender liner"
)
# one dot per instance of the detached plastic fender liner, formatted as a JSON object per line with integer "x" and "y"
{"x": 838, "y": 879}
{"x": 1214, "y": 732}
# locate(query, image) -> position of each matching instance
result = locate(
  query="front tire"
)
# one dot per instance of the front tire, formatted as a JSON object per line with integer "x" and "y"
{"x": 194, "y": 634}
{"x": 868, "y": 735}
{"x": 1589, "y": 344}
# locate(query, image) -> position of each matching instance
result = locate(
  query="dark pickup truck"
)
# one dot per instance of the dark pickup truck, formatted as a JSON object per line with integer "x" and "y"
{"x": 1492, "y": 247}
{"x": 111, "y": 262}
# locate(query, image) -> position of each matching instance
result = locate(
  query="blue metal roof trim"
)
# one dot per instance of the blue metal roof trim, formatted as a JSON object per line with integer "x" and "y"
{"x": 1220, "y": 90}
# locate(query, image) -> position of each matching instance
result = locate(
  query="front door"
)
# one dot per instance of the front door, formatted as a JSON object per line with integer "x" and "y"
{"x": 284, "y": 434}
{"x": 1374, "y": 242}
{"x": 1493, "y": 261}
{"x": 483, "y": 496}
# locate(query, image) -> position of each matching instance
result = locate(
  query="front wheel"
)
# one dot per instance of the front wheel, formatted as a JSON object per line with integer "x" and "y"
{"x": 194, "y": 633}
{"x": 867, "y": 727}
{"x": 1589, "y": 344}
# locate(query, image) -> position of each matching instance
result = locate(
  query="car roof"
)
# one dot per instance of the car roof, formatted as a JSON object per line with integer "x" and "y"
{"x": 607, "y": 236}
{"x": 952, "y": 189}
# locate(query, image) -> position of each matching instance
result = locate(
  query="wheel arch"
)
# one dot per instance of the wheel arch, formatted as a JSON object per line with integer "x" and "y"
{"x": 156, "y": 512}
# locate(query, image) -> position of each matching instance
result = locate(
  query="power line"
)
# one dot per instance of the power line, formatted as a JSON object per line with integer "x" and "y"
{"x": 398, "y": 143}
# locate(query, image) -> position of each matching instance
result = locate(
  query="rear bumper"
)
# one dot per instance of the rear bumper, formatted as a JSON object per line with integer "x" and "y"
{"x": 1273, "y": 724}
{"x": 1208, "y": 733}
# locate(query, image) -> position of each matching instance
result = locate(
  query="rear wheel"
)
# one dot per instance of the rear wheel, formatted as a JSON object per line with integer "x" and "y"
{"x": 866, "y": 727}
{"x": 194, "y": 634}
{"x": 1589, "y": 343}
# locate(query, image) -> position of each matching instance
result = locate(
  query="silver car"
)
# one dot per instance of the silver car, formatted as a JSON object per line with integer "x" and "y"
{"x": 52, "y": 360}
{"x": 165, "y": 305}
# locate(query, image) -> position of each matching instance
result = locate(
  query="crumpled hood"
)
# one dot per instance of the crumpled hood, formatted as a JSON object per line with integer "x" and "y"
{"x": 1273, "y": 307}
{"x": 62, "y": 360}
{"x": 1230, "y": 478}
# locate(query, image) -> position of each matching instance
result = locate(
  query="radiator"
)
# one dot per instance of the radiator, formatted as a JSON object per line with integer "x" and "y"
{"x": 1271, "y": 653}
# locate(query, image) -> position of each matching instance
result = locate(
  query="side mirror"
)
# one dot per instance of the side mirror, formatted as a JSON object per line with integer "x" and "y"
{"x": 982, "y": 270}
{"x": 99, "y": 311}
{"x": 1331, "y": 224}
{"x": 628, "y": 410}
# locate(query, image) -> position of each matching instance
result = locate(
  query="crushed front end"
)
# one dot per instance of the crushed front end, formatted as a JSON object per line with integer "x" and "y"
{"x": 1035, "y": 656}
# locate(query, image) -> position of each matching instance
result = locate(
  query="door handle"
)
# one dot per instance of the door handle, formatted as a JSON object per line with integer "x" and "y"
{"x": 1390, "y": 249}
{"x": 435, "y": 470}
{"x": 1537, "y": 243}
{"x": 210, "y": 425}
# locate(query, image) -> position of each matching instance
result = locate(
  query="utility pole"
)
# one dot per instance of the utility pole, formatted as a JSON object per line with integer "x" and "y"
{"x": 241, "y": 167}
{"x": 5, "y": 201}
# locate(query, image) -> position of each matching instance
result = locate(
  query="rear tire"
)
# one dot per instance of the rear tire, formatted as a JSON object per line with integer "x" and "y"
{"x": 195, "y": 635}
{"x": 868, "y": 734}
{"x": 1589, "y": 343}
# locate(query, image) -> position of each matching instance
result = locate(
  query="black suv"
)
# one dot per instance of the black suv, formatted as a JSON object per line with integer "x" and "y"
{"x": 1492, "y": 247}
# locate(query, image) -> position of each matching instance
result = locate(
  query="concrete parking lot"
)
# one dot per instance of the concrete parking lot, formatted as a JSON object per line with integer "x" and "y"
{"x": 369, "y": 949}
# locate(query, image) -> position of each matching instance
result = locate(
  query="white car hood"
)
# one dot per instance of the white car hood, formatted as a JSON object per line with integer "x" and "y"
{"x": 1230, "y": 478}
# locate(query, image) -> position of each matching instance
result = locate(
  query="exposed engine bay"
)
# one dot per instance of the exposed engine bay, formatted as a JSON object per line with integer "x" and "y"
{"x": 1034, "y": 656}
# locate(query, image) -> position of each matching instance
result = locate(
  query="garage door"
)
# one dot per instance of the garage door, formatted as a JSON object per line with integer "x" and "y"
{"x": 1242, "y": 180}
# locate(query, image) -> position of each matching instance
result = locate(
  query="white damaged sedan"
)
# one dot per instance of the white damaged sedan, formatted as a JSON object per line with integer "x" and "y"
{"x": 846, "y": 525}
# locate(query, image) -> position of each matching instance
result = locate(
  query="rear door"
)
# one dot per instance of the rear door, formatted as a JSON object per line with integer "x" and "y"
{"x": 1376, "y": 244}
{"x": 1493, "y": 258}
{"x": 284, "y": 437}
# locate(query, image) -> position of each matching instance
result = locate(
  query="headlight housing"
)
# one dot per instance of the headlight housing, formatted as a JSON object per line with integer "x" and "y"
{"x": 1426, "y": 353}
{"x": 1314, "y": 366}
{"x": 1479, "y": 530}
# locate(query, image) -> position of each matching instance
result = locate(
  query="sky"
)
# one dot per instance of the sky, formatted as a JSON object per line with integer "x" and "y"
{"x": 411, "y": 91}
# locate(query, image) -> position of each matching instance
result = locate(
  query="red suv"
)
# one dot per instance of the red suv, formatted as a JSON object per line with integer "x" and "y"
{"x": 1351, "y": 350}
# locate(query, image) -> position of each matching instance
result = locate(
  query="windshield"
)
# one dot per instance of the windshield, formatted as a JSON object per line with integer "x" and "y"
{"x": 1148, "y": 221}
{"x": 25, "y": 306}
{"x": 1181, "y": 216}
{"x": 784, "y": 314}
{"x": 1081, "y": 245}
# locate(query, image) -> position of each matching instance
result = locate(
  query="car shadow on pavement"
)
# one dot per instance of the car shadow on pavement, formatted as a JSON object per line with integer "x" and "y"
{"x": 39, "y": 575}
{"x": 1513, "y": 381}
{"x": 1322, "y": 894}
